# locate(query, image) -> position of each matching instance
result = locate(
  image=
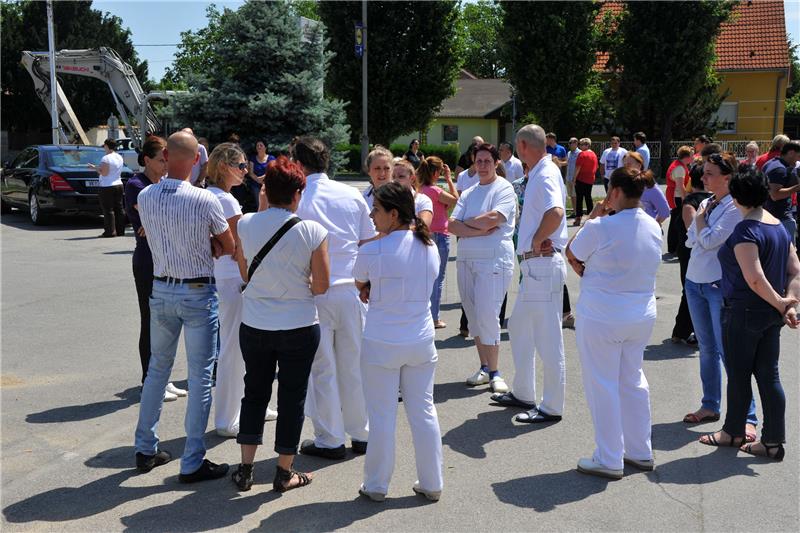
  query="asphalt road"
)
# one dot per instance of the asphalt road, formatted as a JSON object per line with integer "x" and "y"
{"x": 70, "y": 376}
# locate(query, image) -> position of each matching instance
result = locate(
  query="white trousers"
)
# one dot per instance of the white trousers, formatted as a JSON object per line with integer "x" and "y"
{"x": 335, "y": 399}
{"x": 616, "y": 389}
{"x": 482, "y": 285}
{"x": 412, "y": 369}
{"x": 535, "y": 327}
{"x": 230, "y": 364}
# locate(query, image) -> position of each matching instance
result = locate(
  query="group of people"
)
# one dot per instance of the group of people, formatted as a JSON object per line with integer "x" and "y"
{"x": 336, "y": 295}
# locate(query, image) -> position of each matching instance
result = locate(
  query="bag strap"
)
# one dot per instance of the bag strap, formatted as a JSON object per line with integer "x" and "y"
{"x": 271, "y": 244}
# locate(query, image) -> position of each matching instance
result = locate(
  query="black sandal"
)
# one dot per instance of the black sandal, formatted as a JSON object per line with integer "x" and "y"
{"x": 712, "y": 441}
{"x": 243, "y": 477}
{"x": 283, "y": 477}
{"x": 777, "y": 456}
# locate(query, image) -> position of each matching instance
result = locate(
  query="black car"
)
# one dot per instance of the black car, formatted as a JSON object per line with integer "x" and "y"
{"x": 46, "y": 179}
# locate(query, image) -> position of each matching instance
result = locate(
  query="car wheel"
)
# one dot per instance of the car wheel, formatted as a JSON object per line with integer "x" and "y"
{"x": 37, "y": 217}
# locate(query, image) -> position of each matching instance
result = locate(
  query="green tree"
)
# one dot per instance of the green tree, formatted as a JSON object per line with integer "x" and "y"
{"x": 479, "y": 26}
{"x": 666, "y": 83}
{"x": 304, "y": 8}
{"x": 413, "y": 62}
{"x": 261, "y": 80}
{"x": 548, "y": 49}
{"x": 77, "y": 25}
{"x": 793, "y": 91}
{"x": 194, "y": 52}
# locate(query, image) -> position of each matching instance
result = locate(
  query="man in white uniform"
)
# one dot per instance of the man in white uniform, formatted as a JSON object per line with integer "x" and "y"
{"x": 535, "y": 323}
{"x": 512, "y": 165}
{"x": 335, "y": 401}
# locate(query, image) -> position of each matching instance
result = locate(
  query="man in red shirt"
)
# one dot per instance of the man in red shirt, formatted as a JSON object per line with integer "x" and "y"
{"x": 585, "y": 170}
{"x": 774, "y": 150}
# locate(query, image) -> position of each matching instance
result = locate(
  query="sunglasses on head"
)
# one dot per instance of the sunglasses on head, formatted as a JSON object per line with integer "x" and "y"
{"x": 723, "y": 165}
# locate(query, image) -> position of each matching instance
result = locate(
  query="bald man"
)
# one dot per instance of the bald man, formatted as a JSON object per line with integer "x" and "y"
{"x": 178, "y": 220}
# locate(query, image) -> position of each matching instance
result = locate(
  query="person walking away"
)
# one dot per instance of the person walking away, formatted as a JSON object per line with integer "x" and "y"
{"x": 110, "y": 193}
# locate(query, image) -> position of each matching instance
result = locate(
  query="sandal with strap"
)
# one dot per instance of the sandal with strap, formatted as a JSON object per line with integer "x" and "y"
{"x": 713, "y": 441}
{"x": 777, "y": 456}
{"x": 695, "y": 418}
{"x": 243, "y": 477}
{"x": 284, "y": 477}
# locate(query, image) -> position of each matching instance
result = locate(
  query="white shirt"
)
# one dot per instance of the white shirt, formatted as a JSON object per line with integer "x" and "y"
{"x": 115, "y": 164}
{"x": 545, "y": 190}
{"x": 200, "y": 162}
{"x": 612, "y": 160}
{"x": 644, "y": 151}
{"x": 343, "y": 212}
{"x": 226, "y": 267}
{"x": 496, "y": 247}
{"x": 401, "y": 271}
{"x": 178, "y": 220}
{"x": 704, "y": 266}
{"x": 422, "y": 203}
{"x": 279, "y": 295}
{"x": 622, "y": 254}
{"x": 464, "y": 181}
{"x": 513, "y": 168}
{"x": 369, "y": 196}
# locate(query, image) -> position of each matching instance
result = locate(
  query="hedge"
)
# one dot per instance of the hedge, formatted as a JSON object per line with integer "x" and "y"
{"x": 448, "y": 152}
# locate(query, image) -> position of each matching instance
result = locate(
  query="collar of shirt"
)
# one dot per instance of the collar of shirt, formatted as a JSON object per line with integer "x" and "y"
{"x": 316, "y": 177}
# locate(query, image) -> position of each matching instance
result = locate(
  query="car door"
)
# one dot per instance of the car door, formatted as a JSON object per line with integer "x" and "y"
{"x": 17, "y": 178}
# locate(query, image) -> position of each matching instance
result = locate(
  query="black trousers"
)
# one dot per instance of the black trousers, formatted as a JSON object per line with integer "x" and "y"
{"x": 293, "y": 352}
{"x": 583, "y": 192}
{"x": 676, "y": 228}
{"x": 683, "y": 320}
{"x": 113, "y": 216}
{"x": 143, "y": 278}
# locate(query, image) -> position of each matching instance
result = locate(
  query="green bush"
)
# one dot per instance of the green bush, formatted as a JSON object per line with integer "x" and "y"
{"x": 449, "y": 153}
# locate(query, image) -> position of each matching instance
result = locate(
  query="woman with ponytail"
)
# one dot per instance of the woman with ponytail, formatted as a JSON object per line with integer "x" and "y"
{"x": 395, "y": 274}
{"x": 403, "y": 173}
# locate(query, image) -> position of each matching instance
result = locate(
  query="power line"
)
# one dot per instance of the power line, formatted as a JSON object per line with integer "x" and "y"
{"x": 176, "y": 44}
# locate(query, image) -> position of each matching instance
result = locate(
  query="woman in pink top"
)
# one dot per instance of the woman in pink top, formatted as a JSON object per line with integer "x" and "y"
{"x": 428, "y": 173}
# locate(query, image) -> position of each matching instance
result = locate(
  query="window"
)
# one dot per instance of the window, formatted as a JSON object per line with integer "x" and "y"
{"x": 726, "y": 117}
{"x": 449, "y": 134}
{"x": 28, "y": 158}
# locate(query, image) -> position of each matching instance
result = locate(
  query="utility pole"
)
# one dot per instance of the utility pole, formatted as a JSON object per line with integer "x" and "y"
{"x": 364, "y": 133}
{"x": 53, "y": 90}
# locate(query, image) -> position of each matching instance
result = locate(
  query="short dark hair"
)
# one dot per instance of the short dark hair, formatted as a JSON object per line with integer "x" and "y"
{"x": 312, "y": 153}
{"x": 110, "y": 143}
{"x": 711, "y": 148}
{"x": 631, "y": 181}
{"x": 640, "y": 136}
{"x": 726, "y": 161}
{"x": 262, "y": 141}
{"x": 749, "y": 186}
{"x": 550, "y": 135}
{"x": 282, "y": 179}
{"x": 791, "y": 146}
{"x": 486, "y": 147}
{"x": 151, "y": 148}
{"x": 505, "y": 144}
{"x": 705, "y": 139}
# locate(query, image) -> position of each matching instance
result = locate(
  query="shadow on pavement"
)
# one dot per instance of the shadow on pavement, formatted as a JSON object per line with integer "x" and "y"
{"x": 545, "y": 492}
{"x": 671, "y": 436}
{"x": 119, "y": 252}
{"x": 471, "y": 437}
{"x": 719, "y": 464}
{"x": 77, "y": 413}
{"x": 123, "y": 457}
{"x": 455, "y": 342}
{"x": 455, "y": 390}
{"x": 20, "y": 220}
{"x": 668, "y": 350}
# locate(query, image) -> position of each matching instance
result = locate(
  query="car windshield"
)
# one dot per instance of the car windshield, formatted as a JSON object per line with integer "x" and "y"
{"x": 64, "y": 157}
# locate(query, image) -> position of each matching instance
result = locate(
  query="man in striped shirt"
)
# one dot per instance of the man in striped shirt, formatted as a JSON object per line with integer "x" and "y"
{"x": 178, "y": 220}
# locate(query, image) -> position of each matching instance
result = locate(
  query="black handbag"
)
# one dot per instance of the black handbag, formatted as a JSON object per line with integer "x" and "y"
{"x": 262, "y": 253}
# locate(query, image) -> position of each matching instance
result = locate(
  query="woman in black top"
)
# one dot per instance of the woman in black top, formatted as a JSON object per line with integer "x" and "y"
{"x": 413, "y": 154}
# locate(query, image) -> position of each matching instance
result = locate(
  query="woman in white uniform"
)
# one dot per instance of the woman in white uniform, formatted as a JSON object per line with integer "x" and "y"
{"x": 403, "y": 173}
{"x": 397, "y": 272}
{"x": 617, "y": 258}
{"x": 379, "y": 169}
{"x": 483, "y": 219}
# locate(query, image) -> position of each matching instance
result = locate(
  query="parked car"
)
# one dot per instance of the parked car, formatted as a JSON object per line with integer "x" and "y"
{"x": 129, "y": 154}
{"x": 45, "y": 179}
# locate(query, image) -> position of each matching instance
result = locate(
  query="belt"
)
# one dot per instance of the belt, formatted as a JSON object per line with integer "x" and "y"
{"x": 531, "y": 255}
{"x": 205, "y": 279}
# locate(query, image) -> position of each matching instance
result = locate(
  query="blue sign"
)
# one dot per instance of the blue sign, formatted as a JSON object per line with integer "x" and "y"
{"x": 359, "y": 39}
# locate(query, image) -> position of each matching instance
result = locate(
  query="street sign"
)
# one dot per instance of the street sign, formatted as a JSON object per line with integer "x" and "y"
{"x": 359, "y": 39}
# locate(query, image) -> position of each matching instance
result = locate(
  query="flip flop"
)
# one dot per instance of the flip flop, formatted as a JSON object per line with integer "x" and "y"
{"x": 692, "y": 418}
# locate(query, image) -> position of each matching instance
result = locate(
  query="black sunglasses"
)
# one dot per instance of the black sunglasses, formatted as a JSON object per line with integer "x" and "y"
{"x": 723, "y": 165}
{"x": 240, "y": 166}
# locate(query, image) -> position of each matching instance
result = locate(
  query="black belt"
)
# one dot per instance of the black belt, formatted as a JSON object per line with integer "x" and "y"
{"x": 206, "y": 279}
{"x": 530, "y": 255}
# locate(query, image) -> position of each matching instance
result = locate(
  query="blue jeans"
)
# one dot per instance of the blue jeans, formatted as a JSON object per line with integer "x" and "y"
{"x": 705, "y": 307}
{"x": 193, "y": 307}
{"x": 442, "y": 241}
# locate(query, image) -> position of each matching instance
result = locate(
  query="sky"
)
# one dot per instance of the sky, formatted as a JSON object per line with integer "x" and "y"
{"x": 161, "y": 23}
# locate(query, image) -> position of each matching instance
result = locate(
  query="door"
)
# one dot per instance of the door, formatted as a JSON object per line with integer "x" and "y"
{"x": 17, "y": 178}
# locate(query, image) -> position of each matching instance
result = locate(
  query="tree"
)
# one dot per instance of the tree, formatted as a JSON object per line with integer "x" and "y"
{"x": 479, "y": 26}
{"x": 194, "y": 52}
{"x": 666, "y": 82}
{"x": 548, "y": 49}
{"x": 260, "y": 79}
{"x": 77, "y": 26}
{"x": 792, "y": 109}
{"x": 413, "y": 62}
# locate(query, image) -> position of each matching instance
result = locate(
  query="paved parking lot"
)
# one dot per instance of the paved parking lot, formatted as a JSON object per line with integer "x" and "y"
{"x": 70, "y": 376}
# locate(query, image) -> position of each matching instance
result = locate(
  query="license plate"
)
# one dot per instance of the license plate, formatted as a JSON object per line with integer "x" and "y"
{"x": 93, "y": 183}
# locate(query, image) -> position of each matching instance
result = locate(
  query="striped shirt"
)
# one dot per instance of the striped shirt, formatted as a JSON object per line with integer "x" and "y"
{"x": 178, "y": 220}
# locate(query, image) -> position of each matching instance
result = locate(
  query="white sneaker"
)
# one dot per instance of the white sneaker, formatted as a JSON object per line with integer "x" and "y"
{"x": 175, "y": 390}
{"x": 432, "y": 495}
{"x": 478, "y": 378}
{"x": 169, "y": 397}
{"x": 374, "y": 496}
{"x": 498, "y": 384}
{"x": 647, "y": 465}
{"x": 588, "y": 466}
{"x": 271, "y": 415}
{"x": 222, "y": 432}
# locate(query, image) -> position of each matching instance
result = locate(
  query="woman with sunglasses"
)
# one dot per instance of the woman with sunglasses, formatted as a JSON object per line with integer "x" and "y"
{"x": 713, "y": 223}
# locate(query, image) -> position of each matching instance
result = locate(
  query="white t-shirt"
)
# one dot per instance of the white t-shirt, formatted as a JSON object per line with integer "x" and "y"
{"x": 612, "y": 160}
{"x": 200, "y": 162}
{"x": 279, "y": 295}
{"x": 496, "y": 196}
{"x": 226, "y": 267}
{"x": 422, "y": 203}
{"x": 464, "y": 181}
{"x": 401, "y": 271}
{"x": 115, "y": 164}
{"x": 513, "y": 168}
{"x": 545, "y": 190}
{"x": 622, "y": 253}
{"x": 342, "y": 211}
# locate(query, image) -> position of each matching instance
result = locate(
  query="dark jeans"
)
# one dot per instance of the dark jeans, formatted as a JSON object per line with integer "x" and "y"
{"x": 676, "y": 228}
{"x": 143, "y": 278}
{"x": 293, "y": 351}
{"x": 583, "y": 191}
{"x": 113, "y": 216}
{"x": 683, "y": 320}
{"x": 751, "y": 340}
